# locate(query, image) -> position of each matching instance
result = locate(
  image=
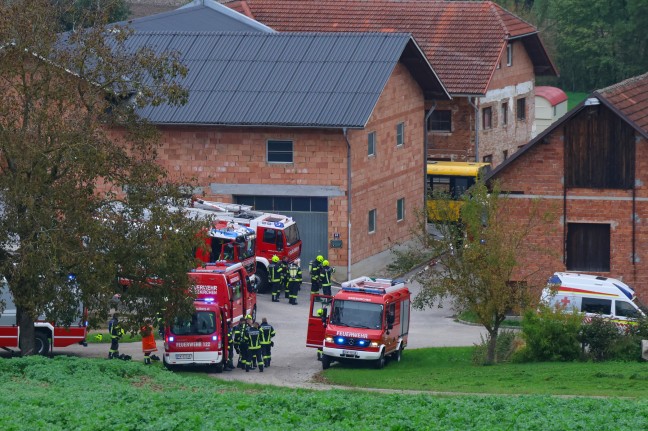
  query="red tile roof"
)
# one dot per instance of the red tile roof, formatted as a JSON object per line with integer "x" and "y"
{"x": 630, "y": 99}
{"x": 552, "y": 94}
{"x": 462, "y": 39}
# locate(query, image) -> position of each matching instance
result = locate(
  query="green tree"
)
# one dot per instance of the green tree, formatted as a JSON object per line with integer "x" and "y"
{"x": 75, "y": 14}
{"x": 71, "y": 144}
{"x": 477, "y": 259}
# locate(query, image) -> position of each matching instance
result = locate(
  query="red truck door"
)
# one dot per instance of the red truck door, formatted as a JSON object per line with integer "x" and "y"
{"x": 316, "y": 327}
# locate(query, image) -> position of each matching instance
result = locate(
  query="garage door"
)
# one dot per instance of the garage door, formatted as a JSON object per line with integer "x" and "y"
{"x": 310, "y": 213}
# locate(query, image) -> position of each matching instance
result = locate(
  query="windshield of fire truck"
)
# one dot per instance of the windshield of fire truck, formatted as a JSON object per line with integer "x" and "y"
{"x": 357, "y": 314}
{"x": 246, "y": 247}
{"x": 292, "y": 235}
{"x": 200, "y": 323}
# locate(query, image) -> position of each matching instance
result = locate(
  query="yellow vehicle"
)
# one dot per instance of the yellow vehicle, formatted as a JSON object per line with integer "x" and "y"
{"x": 447, "y": 182}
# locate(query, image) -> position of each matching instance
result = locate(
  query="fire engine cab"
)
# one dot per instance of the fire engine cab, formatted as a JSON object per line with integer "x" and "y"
{"x": 230, "y": 243}
{"x": 223, "y": 295}
{"x": 276, "y": 235}
{"x": 367, "y": 320}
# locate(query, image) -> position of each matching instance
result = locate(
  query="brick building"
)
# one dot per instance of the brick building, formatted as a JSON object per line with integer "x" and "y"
{"x": 590, "y": 169}
{"x": 487, "y": 57}
{"x": 295, "y": 123}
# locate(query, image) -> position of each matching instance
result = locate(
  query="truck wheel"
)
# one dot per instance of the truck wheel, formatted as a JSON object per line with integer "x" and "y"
{"x": 326, "y": 362}
{"x": 397, "y": 354}
{"x": 262, "y": 276}
{"x": 168, "y": 366}
{"x": 380, "y": 362}
{"x": 218, "y": 368}
{"x": 41, "y": 344}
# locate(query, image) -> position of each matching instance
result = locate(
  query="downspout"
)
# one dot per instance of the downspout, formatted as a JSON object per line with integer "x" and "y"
{"x": 346, "y": 138}
{"x": 474, "y": 105}
{"x": 425, "y": 155}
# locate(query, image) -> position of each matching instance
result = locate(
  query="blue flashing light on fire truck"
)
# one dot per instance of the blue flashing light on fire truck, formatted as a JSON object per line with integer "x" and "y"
{"x": 366, "y": 320}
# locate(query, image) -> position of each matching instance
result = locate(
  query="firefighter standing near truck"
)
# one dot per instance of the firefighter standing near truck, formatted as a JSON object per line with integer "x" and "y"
{"x": 294, "y": 276}
{"x": 284, "y": 276}
{"x": 116, "y": 332}
{"x": 148, "y": 342}
{"x": 326, "y": 277}
{"x": 229, "y": 365}
{"x": 314, "y": 269}
{"x": 275, "y": 275}
{"x": 239, "y": 345}
{"x": 267, "y": 333}
{"x": 253, "y": 339}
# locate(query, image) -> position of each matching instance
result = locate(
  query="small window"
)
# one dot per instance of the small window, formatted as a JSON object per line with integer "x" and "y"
{"x": 371, "y": 144}
{"x": 554, "y": 111}
{"x": 280, "y": 151}
{"x": 270, "y": 236}
{"x": 521, "y": 109}
{"x": 372, "y": 221}
{"x": 505, "y": 154}
{"x": 400, "y": 134}
{"x": 488, "y": 159}
{"x": 487, "y": 118}
{"x": 400, "y": 209}
{"x": 625, "y": 309}
{"x": 504, "y": 114}
{"x": 596, "y": 306}
{"x": 509, "y": 54}
{"x": 440, "y": 121}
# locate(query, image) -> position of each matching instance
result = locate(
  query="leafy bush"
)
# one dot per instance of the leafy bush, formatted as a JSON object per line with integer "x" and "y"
{"x": 507, "y": 344}
{"x": 550, "y": 335}
{"x": 599, "y": 336}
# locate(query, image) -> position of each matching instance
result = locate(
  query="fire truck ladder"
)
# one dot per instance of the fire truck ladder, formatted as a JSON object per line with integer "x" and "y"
{"x": 378, "y": 286}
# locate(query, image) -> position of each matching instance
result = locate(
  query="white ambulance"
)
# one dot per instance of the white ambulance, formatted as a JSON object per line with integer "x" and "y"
{"x": 592, "y": 295}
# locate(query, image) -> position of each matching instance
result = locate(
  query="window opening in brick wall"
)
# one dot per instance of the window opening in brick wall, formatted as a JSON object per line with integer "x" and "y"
{"x": 504, "y": 113}
{"x": 505, "y": 154}
{"x": 440, "y": 121}
{"x": 400, "y": 209}
{"x": 371, "y": 144}
{"x": 521, "y": 109}
{"x": 488, "y": 159}
{"x": 284, "y": 203}
{"x": 372, "y": 221}
{"x": 400, "y": 134}
{"x": 487, "y": 118}
{"x": 588, "y": 247}
{"x": 280, "y": 152}
{"x": 509, "y": 54}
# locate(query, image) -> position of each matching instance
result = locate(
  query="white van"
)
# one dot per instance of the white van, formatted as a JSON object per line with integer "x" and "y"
{"x": 592, "y": 295}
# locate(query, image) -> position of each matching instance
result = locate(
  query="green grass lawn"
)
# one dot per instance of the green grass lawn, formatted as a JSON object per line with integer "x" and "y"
{"x": 69, "y": 393}
{"x": 574, "y": 98}
{"x": 451, "y": 370}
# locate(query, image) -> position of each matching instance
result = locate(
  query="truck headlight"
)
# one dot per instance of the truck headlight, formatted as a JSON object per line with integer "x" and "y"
{"x": 328, "y": 339}
{"x": 374, "y": 344}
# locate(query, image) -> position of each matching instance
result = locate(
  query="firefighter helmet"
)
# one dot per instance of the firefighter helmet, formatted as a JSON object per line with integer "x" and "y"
{"x": 320, "y": 258}
{"x": 249, "y": 316}
{"x": 320, "y": 311}
{"x": 325, "y": 263}
{"x": 275, "y": 258}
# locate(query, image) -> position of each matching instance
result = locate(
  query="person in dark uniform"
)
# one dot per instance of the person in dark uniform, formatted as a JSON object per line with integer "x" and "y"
{"x": 314, "y": 269}
{"x": 267, "y": 333}
{"x": 253, "y": 338}
{"x": 294, "y": 275}
{"x": 326, "y": 277}
{"x": 116, "y": 331}
{"x": 275, "y": 275}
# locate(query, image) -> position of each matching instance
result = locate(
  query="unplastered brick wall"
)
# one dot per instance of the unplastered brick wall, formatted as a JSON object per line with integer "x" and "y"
{"x": 393, "y": 173}
{"x": 457, "y": 144}
{"x": 539, "y": 173}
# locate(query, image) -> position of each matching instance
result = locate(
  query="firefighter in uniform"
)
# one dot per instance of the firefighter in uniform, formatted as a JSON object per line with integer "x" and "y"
{"x": 253, "y": 338}
{"x": 229, "y": 366}
{"x": 294, "y": 276}
{"x": 275, "y": 275}
{"x": 148, "y": 342}
{"x": 326, "y": 277}
{"x": 116, "y": 332}
{"x": 239, "y": 343}
{"x": 314, "y": 269}
{"x": 267, "y": 332}
{"x": 284, "y": 276}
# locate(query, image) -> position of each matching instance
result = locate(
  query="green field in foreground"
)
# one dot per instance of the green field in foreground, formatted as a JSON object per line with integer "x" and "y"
{"x": 69, "y": 393}
{"x": 450, "y": 370}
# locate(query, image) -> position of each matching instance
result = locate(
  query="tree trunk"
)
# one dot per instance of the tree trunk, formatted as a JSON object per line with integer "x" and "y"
{"x": 492, "y": 344}
{"x": 26, "y": 325}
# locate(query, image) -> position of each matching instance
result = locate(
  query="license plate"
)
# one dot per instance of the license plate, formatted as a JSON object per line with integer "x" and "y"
{"x": 348, "y": 352}
{"x": 183, "y": 355}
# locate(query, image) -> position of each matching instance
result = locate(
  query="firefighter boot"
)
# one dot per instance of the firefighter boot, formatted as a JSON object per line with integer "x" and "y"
{"x": 147, "y": 360}
{"x": 287, "y": 294}
{"x": 247, "y": 368}
{"x": 260, "y": 368}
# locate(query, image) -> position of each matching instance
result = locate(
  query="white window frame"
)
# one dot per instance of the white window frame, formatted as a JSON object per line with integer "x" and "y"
{"x": 292, "y": 151}
{"x": 371, "y": 144}
{"x": 372, "y": 221}
{"x": 400, "y": 209}
{"x": 509, "y": 54}
{"x": 400, "y": 134}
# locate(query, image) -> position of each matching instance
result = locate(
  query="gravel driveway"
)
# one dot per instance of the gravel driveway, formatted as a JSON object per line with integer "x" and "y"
{"x": 295, "y": 365}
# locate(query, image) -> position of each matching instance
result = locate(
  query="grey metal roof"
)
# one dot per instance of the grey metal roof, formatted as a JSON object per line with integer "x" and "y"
{"x": 198, "y": 16}
{"x": 286, "y": 79}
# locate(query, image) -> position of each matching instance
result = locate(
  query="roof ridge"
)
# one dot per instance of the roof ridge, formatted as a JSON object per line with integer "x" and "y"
{"x": 503, "y": 9}
{"x": 623, "y": 83}
{"x": 493, "y": 8}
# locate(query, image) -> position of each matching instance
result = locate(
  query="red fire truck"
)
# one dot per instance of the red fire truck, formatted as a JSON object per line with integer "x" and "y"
{"x": 224, "y": 295}
{"x": 47, "y": 334}
{"x": 367, "y": 320}
{"x": 276, "y": 234}
{"x": 230, "y": 243}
